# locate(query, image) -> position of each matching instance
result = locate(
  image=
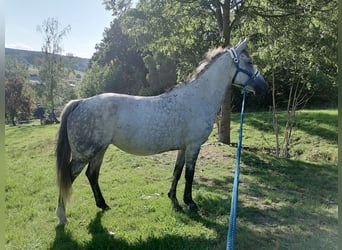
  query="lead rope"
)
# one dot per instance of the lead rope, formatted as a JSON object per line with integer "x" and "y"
{"x": 235, "y": 194}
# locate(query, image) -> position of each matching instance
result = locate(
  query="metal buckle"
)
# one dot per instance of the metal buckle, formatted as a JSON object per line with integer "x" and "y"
{"x": 256, "y": 74}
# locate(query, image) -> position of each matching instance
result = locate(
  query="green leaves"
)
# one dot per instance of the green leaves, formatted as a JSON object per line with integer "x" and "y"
{"x": 297, "y": 40}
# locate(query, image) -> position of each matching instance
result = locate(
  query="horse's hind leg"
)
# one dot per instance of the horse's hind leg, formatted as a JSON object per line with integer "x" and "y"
{"x": 60, "y": 211}
{"x": 76, "y": 169}
{"x": 93, "y": 177}
{"x": 176, "y": 175}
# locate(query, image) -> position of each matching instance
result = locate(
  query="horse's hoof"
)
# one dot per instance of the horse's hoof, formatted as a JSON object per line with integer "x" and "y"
{"x": 177, "y": 208}
{"x": 62, "y": 220}
{"x": 193, "y": 207}
{"x": 103, "y": 206}
{"x": 62, "y": 223}
{"x": 175, "y": 205}
{"x": 106, "y": 208}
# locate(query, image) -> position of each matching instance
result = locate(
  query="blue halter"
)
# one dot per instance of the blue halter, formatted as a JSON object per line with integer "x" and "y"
{"x": 252, "y": 76}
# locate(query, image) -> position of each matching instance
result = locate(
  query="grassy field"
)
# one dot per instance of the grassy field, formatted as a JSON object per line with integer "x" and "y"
{"x": 283, "y": 203}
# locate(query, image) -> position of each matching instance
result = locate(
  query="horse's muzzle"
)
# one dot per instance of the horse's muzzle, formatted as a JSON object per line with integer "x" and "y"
{"x": 259, "y": 85}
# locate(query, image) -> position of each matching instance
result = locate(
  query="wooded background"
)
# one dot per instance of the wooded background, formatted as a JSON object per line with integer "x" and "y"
{"x": 155, "y": 44}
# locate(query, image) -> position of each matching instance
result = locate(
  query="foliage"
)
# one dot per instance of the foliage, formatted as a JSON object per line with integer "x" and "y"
{"x": 15, "y": 69}
{"x": 297, "y": 43}
{"x": 120, "y": 67}
{"x": 99, "y": 79}
{"x": 146, "y": 46}
{"x": 51, "y": 68}
{"x": 293, "y": 43}
{"x": 19, "y": 93}
{"x": 296, "y": 62}
{"x": 17, "y": 105}
{"x": 183, "y": 30}
{"x": 283, "y": 203}
{"x": 172, "y": 29}
{"x": 24, "y": 64}
{"x": 161, "y": 74}
{"x": 117, "y": 6}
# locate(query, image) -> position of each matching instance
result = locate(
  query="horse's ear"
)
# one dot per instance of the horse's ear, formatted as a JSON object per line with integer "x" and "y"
{"x": 241, "y": 46}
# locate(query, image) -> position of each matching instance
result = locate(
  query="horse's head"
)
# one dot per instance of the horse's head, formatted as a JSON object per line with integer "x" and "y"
{"x": 245, "y": 74}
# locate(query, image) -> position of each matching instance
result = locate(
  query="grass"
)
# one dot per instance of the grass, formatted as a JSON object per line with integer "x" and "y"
{"x": 283, "y": 203}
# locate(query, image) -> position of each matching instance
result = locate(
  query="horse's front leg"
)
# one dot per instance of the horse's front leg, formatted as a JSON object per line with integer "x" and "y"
{"x": 190, "y": 162}
{"x": 176, "y": 176}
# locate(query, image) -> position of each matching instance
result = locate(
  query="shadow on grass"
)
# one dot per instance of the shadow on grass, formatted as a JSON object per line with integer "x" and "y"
{"x": 294, "y": 200}
{"x": 283, "y": 204}
{"x": 307, "y": 122}
{"x": 290, "y": 177}
{"x": 101, "y": 239}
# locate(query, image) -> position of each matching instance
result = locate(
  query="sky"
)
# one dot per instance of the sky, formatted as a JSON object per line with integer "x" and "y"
{"x": 87, "y": 18}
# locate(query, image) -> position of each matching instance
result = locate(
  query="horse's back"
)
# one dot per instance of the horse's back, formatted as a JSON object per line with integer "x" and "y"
{"x": 138, "y": 125}
{"x": 135, "y": 124}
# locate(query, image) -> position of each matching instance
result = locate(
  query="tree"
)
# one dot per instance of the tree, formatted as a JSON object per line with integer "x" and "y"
{"x": 293, "y": 42}
{"x": 15, "y": 69}
{"x": 16, "y": 104}
{"x": 118, "y": 7}
{"x": 51, "y": 69}
{"x": 171, "y": 30}
{"x": 227, "y": 14}
{"x": 100, "y": 79}
{"x": 300, "y": 64}
{"x": 184, "y": 30}
{"x": 123, "y": 70}
{"x": 17, "y": 94}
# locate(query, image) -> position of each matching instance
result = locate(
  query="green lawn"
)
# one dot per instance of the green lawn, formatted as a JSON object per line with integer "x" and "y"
{"x": 283, "y": 203}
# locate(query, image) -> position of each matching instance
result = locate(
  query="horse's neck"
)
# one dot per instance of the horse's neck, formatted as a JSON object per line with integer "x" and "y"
{"x": 214, "y": 82}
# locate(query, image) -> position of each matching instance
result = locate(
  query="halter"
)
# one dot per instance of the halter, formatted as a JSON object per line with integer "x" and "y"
{"x": 252, "y": 76}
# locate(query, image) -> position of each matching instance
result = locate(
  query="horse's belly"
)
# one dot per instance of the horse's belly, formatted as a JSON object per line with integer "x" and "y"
{"x": 136, "y": 150}
{"x": 147, "y": 142}
{"x": 142, "y": 151}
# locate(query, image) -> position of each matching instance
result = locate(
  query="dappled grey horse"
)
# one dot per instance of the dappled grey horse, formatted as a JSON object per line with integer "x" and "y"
{"x": 180, "y": 119}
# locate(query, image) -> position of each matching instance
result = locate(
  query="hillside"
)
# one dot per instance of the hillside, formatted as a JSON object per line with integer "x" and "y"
{"x": 31, "y": 58}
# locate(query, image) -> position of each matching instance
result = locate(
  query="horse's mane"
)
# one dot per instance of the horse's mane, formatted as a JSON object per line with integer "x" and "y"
{"x": 210, "y": 57}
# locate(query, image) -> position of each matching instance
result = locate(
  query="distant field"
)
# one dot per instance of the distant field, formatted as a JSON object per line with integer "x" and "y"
{"x": 283, "y": 203}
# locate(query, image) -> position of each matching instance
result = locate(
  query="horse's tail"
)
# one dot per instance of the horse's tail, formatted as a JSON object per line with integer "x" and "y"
{"x": 63, "y": 153}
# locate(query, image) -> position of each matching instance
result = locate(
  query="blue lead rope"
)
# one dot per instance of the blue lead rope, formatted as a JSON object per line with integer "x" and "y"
{"x": 235, "y": 194}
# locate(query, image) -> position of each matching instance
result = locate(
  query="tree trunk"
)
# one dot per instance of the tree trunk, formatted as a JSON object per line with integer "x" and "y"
{"x": 274, "y": 115}
{"x": 224, "y": 131}
{"x": 12, "y": 115}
